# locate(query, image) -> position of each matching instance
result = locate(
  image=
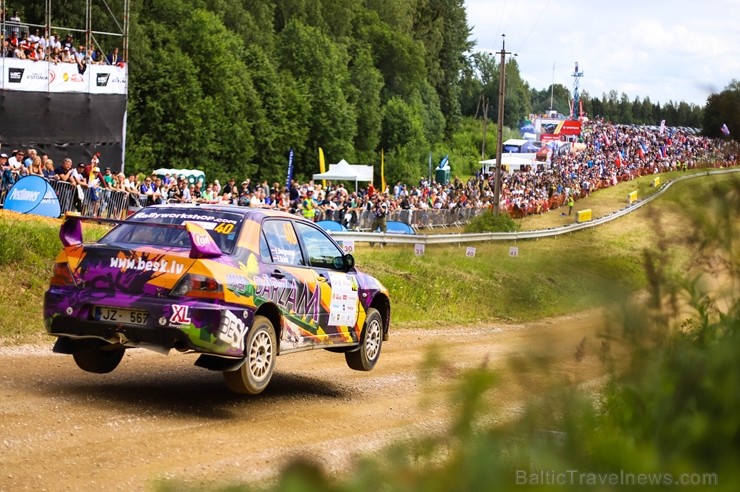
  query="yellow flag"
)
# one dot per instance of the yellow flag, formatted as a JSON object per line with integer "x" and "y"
{"x": 322, "y": 166}
{"x": 382, "y": 172}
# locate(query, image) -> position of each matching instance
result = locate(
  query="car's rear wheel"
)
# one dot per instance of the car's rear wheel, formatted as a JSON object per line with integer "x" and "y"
{"x": 260, "y": 352}
{"x": 371, "y": 341}
{"x": 98, "y": 359}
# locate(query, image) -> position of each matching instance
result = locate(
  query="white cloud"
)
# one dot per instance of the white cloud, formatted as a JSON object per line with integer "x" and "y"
{"x": 680, "y": 50}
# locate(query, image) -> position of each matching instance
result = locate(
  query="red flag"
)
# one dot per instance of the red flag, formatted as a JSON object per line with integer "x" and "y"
{"x": 618, "y": 160}
{"x": 640, "y": 153}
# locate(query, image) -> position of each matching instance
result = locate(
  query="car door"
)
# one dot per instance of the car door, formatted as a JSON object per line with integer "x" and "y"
{"x": 339, "y": 288}
{"x": 290, "y": 284}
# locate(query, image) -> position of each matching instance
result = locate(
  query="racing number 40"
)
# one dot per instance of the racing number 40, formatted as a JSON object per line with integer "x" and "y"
{"x": 224, "y": 228}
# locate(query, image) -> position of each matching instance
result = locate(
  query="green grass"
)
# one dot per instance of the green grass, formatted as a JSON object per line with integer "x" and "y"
{"x": 28, "y": 246}
{"x": 549, "y": 277}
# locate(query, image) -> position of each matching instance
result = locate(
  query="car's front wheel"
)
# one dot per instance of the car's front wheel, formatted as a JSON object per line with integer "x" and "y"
{"x": 98, "y": 358}
{"x": 260, "y": 352}
{"x": 371, "y": 341}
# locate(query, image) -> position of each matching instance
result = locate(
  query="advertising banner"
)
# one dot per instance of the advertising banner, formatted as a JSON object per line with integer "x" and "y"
{"x": 37, "y": 76}
{"x": 33, "y": 195}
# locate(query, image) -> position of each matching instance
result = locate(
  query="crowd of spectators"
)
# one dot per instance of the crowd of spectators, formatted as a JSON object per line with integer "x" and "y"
{"x": 608, "y": 155}
{"x": 18, "y": 41}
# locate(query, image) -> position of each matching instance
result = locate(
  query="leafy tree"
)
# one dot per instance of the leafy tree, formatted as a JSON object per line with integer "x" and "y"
{"x": 723, "y": 109}
{"x": 320, "y": 68}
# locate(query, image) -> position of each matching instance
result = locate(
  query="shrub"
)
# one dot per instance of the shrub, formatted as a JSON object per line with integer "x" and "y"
{"x": 489, "y": 222}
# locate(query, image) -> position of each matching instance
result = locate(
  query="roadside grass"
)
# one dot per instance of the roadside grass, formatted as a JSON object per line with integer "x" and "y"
{"x": 549, "y": 277}
{"x": 28, "y": 246}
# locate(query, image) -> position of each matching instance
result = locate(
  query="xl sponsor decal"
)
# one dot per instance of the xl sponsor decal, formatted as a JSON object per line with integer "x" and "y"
{"x": 163, "y": 266}
{"x": 15, "y": 75}
{"x": 180, "y": 315}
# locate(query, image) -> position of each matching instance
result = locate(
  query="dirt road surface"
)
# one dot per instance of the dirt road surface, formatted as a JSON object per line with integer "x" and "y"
{"x": 160, "y": 419}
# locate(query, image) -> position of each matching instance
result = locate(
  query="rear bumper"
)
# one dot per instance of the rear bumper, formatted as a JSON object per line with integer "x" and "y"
{"x": 183, "y": 324}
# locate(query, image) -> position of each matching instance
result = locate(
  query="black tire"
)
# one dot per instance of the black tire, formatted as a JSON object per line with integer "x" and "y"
{"x": 260, "y": 352}
{"x": 98, "y": 360}
{"x": 371, "y": 341}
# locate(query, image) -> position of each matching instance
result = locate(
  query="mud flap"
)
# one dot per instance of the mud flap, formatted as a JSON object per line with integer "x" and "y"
{"x": 218, "y": 363}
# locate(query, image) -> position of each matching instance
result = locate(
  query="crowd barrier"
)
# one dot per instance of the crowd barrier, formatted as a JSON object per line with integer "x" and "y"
{"x": 115, "y": 204}
{"x": 362, "y": 220}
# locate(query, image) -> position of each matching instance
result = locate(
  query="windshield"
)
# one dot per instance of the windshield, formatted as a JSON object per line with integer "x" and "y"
{"x": 223, "y": 226}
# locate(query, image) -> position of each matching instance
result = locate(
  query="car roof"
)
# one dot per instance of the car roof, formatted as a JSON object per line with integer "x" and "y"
{"x": 256, "y": 214}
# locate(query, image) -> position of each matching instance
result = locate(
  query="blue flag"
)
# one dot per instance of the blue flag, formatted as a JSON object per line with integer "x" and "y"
{"x": 290, "y": 170}
{"x": 725, "y": 130}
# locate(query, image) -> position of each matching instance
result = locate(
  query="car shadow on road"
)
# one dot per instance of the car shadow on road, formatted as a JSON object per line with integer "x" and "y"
{"x": 193, "y": 394}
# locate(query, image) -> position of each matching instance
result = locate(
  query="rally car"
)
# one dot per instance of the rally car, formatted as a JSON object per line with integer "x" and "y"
{"x": 239, "y": 286}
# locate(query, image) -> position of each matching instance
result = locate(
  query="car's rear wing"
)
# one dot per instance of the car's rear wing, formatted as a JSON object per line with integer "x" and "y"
{"x": 202, "y": 244}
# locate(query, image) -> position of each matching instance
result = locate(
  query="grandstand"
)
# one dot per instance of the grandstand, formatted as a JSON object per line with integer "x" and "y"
{"x": 55, "y": 108}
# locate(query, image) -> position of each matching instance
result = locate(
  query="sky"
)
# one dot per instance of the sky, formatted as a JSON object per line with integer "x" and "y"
{"x": 666, "y": 50}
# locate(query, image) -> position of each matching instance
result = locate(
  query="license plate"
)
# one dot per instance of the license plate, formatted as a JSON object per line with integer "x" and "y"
{"x": 116, "y": 315}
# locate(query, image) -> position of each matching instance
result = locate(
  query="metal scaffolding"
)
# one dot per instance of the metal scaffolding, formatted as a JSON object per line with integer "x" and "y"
{"x": 6, "y": 26}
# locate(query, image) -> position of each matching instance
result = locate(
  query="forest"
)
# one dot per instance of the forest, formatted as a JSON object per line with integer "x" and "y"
{"x": 230, "y": 86}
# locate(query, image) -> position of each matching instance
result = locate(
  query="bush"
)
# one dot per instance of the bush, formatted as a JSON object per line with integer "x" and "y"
{"x": 489, "y": 222}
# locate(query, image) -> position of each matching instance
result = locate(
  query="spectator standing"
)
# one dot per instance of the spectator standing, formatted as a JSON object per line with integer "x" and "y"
{"x": 80, "y": 59}
{"x": 109, "y": 178}
{"x": 16, "y": 161}
{"x": 115, "y": 58}
{"x": 258, "y": 199}
{"x": 244, "y": 195}
{"x": 7, "y": 175}
{"x": 380, "y": 211}
{"x": 64, "y": 172}
{"x": 229, "y": 191}
{"x": 308, "y": 206}
{"x": 149, "y": 188}
{"x": 36, "y": 169}
{"x": 48, "y": 171}
{"x": 67, "y": 56}
{"x": 35, "y": 37}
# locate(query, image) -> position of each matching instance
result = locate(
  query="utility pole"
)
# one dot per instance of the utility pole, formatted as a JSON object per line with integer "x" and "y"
{"x": 485, "y": 126}
{"x": 552, "y": 86}
{"x": 500, "y": 144}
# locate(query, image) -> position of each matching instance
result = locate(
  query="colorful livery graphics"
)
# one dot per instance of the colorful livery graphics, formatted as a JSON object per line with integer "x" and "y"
{"x": 238, "y": 286}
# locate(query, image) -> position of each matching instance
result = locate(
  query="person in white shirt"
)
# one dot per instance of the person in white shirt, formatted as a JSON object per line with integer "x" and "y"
{"x": 34, "y": 37}
{"x": 16, "y": 161}
{"x": 258, "y": 199}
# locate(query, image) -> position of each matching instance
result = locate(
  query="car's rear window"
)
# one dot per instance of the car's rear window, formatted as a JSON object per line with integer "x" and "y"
{"x": 223, "y": 226}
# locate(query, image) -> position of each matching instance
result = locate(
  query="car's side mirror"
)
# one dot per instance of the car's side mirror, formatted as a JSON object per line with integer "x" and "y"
{"x": 344, "y": 263}
{"x": 349, "y": 262}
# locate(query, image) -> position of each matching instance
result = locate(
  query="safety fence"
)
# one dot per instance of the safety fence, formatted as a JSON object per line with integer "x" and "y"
{"x": 116, "y": 204}
{"x": 362, "y": 220}
{"x": 427, "y": 239}
{"x": 89, "y": 201}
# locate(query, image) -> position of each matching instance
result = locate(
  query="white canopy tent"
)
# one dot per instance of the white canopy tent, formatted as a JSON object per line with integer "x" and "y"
{"x": 344, "y": 171}
{"x": 513, "y": 161}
